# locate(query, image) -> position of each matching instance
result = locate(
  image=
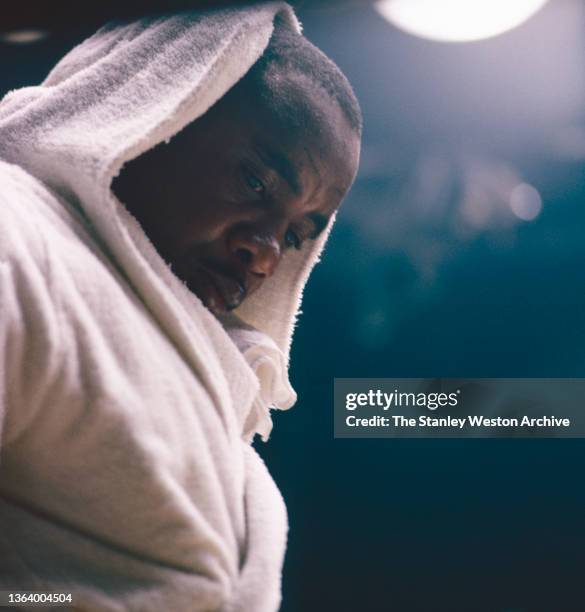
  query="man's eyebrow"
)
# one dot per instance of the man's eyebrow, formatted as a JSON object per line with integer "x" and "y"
{"x": 282, "y": 165}
{"x": 319, "y": 221}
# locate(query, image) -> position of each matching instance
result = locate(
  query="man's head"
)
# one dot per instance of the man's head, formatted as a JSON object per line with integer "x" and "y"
{"x": 261, "y": 172}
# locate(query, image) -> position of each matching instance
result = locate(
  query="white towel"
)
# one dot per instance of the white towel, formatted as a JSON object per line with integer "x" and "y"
{"x": 124, "y": 475}
{"x": 268, "y": 363}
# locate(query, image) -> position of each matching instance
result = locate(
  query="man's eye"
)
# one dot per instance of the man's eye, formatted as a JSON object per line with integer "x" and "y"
{"x": 292, "y": 239}
{"x": 254, "y": 183}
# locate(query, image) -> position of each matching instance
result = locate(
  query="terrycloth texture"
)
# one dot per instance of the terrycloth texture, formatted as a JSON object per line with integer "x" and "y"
{"x": 268, "y": 363}
{"x": 124, "y": 473}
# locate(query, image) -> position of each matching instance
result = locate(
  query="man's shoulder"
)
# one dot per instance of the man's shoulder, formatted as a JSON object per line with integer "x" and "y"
{"x": 16, "y": 183}
{"x": 27, "y": 214}
{"x": 48, "y": 247}
{"x": 22, "y": 197}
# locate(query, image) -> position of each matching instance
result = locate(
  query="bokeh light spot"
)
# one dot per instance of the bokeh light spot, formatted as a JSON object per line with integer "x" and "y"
{"x": 23, "y": 37}
{"x": 525, "y": 202}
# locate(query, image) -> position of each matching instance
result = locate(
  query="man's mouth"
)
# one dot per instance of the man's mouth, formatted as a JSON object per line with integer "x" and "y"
{"x": 221, "y": 292}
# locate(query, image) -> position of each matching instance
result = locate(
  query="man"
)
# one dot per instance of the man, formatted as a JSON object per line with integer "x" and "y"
{"x": 263, "y": 171}
{"x": 167, "y": 172}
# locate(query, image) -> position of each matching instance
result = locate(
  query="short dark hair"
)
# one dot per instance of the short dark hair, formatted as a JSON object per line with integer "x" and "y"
{"x": 290, "y": 52}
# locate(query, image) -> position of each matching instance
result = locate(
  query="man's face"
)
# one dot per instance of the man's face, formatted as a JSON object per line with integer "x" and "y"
{"x": 231, "y": 193}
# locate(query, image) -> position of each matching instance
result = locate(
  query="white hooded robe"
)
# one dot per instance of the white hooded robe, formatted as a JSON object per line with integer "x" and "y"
{"x": 126, "y": 473}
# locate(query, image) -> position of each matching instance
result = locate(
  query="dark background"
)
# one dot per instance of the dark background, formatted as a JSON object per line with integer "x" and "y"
{"x": 429, "y": 273}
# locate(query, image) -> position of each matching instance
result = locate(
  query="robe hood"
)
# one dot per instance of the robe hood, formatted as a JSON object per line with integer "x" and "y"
{"x": 120, "y": 93}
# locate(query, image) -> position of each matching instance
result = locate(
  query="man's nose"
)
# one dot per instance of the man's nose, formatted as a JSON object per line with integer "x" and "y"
{"x": 258, "y": 251}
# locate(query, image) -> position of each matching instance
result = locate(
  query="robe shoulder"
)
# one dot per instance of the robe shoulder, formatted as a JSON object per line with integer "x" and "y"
{"x": 22, "y": 201}
{"x": 30, "y": 327}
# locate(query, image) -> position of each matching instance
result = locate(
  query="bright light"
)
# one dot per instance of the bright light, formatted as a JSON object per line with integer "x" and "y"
{"x": 458, "y": 20}
{"x": 525, "y": 202}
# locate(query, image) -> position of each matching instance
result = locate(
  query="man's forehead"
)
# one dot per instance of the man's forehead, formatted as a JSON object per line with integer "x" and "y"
{"x": 301, "y": 134}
